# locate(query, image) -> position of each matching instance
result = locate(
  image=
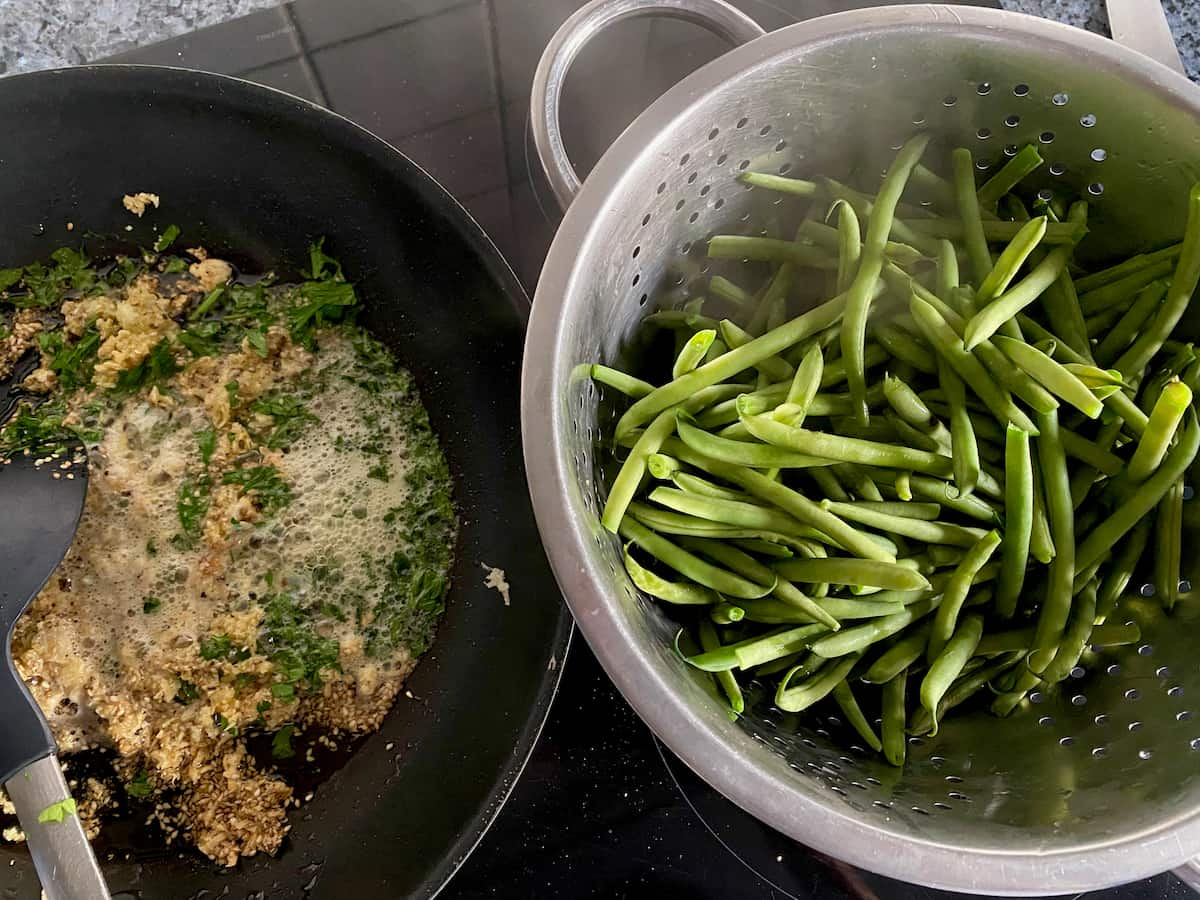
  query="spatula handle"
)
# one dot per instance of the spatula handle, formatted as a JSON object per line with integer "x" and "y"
{"x": 61, "y": 852}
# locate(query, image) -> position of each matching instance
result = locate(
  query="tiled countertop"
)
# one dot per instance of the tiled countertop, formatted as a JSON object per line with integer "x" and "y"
{"x": 38, "y": 34}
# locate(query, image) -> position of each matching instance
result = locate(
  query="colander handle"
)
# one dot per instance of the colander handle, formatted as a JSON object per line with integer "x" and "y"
{"x": 1141, "y": 25}
{"x": 574, "y": 34}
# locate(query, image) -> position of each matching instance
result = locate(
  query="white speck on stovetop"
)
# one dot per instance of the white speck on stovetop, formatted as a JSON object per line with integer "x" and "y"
{"x": 39, "y": 34}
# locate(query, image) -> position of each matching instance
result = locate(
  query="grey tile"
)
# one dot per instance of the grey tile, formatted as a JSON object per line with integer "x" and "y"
{"x": 250, "y": 42}
{"x": 538, "y": 224}
{"x": 466, "y": 156}
{"x": 323, "y": 22}
{"x": 516, "y": 139}
{"x": 289, "y": 75}
{"x": 387, "y": 71}
{"x": 523, "y": 29}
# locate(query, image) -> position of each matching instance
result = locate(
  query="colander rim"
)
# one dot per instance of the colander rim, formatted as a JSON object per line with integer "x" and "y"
{"x": 712, "y": 748}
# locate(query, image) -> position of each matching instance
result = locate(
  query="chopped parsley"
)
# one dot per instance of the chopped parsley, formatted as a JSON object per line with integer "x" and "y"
{"x": 216, "y": 646}
{"x": 73, "y": 362}
{"x": 206, "y": 441}
{"x": 167, "y": 238}
{"x": 157, "y": 367}
{"x": 140, "y": 787}
{"x": 43, "y": 429}
{"x": 225, "y": 725}
{"x": 321, "y": 265}
{"x": 324, "y": 302}
{"x": 281, "y": 743}
{"x": 59, "y": 812}
{"x": 266, "y": 485}
{"x": 284, "y": 691}
{"x": 175, "y": 265}
{"x": 191, "y": 503}
{"x": 290, "y": 640}
{"x": 201, "y": 339}
{"x": 9, "y": 277}
{"x": 46, "y": 286}
{"x": 187, "y": 691}
{"x": 258, "y": 341}
{"x": 231, "y": 391}
{"x": 151, "y": 605}
{"x": 289, "y": 417}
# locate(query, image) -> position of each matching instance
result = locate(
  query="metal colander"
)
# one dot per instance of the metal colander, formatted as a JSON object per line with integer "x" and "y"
{"x": 1095, "y": 784}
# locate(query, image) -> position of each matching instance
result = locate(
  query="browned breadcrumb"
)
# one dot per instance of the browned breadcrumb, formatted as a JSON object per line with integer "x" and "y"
{"x": 21, "y": 337}
{"x": 139, "y": 202}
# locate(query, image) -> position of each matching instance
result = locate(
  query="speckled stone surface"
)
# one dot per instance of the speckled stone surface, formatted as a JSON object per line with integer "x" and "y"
{"x": 41, "y": 34}
{"x": 38, "y": 34}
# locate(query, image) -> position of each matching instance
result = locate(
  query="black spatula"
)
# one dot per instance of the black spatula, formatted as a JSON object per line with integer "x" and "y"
{"x": 40, "y": 504}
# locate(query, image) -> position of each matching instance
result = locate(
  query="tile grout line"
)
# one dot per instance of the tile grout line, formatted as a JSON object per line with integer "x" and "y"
{"x": 310, "y": 71}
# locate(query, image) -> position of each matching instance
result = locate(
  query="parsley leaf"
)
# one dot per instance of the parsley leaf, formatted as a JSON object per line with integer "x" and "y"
{"x": 202, "y": 339}
{"x": 258, "y": 341}
{"x": 216, "y": 646}
{"x": 320, "y": 264}
{"x": 42, "y": 428}
{"x": 157, "y": 367}
{"x": 283, "y": 691}
{"x": 281, "y": 744}
{"x": 324, "y": 301}
{"x": 167, "y": 238}
{"x": 187, "y": 691}
{"x": 72, "y": 362}
{"x": 289, "y": 417}
{"x": 206, "y": 440}
{"x": 9, "y": 277}
{"x": 140, "y": 787}
{"x": 265, "y": 483}
{"x": 191, "y": 503}
{"x": 175, "y": 264}
{"x": 225, "y": 725}
{"x": 151, "y": 605}
{"x": 57, "y": 812}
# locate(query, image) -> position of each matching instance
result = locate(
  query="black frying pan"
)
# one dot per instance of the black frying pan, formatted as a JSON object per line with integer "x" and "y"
{"x": 255, "y": 175}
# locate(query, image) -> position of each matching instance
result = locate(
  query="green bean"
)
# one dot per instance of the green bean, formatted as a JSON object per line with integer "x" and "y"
{"x": 903, "y": 485}
{"x": 948, "y": 664}
{"x": 728, "y": 512}
{"x": 1096, "y": 457}
{"x": 680, "y": 319}
{"x": 727, "y": 613}
{"x": 1133, "y": 417}
{"x": 720, "y": 286}
{"x": 864, "y": 207}
{"x": 1076, "y": 638}
{"x": 795, "y": 186}
{"x": 1169, "y": 539}
{"x": 1011, "y": 260}
{"x": 917, "y": 529}
{"x": 1005, "y": 703}
{"x": 948, "y": 495}
{"x": 968, "y": 213}
{"x": 680, "y": 593}
{"x": 1022, "y": 639}
{"x": 828, "y": 483}
{"x": 1018, "y": 520}
{"x": 778, "y": 612}
{"x": 742, "y": 453}
{"x": 764, "y": 548}
{"x": 849, "y": 243}
{"x": 966, "y": 366}
{"x": 963, "y": 689}
{"x": 694, "y": 484}
{"x": 1119, "y": 293}
{"x": 784, "y": 663}
{"x": 825, "y": 446}
{"x": 667, "y": 522}
{"x": 854, "y": 716}
{"x": 1127, "y": 557}
{"x": 858, "y": 637}
{"x": 907, "y": 404}
{"x": 692, "y": 567}
{"x": 765, "y": 249}
{"x": 1126, "y": 267}
{"x": 693, "y": 352}
{"x": 954, "y": 594}
{"x": 755, "y": 651}
{"x": 795, "y": 504}
{"x": 1056, "y": 606}
{"x": 995, "y": 230}
{"x": 840, "y": 570}
{"x": 662, "y": 466}
{"x": 1041, "y": 543}
{"x": 903, "y": 346}
{"x": 1164, "y": 420}
{"x": 1040, "y": 334}
{"x": 805, "y": 384}
{"x": 947, "y": 274}
{"x": 1183, "y": 285}
{"x": 860, "y": 482}
{"x": 1026, "y": 160}
{"x": 908, "y": 510}
{"x": 1006, "y": 306}
{"x": 817, "y": 688}
{"x": 773, "y": 367}
{"x": 725, "y": 680}
{"x": 626, "y": 384}
{"x": 1055, "y": 378}
{"x": 730, "y": 364}
{"x": 964, "y": 447}
{"x": 866, "y": 278}
{"x": 891, "y": 725}
{"x": 629, "y": 479}
{"x": 906, "y": 652}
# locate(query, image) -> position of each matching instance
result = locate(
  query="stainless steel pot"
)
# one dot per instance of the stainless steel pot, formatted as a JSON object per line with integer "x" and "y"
{"x": 1096, "y": 785}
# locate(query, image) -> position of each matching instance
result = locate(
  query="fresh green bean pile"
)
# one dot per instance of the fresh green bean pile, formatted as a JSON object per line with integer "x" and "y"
{"x": 939, "y": 481}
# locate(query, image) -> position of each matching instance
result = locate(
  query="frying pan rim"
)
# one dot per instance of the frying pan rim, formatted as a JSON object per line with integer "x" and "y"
{"x": 443, "y": 203}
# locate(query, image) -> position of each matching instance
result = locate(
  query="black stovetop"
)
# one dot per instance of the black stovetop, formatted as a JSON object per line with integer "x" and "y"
{"x": 602, "y": 809}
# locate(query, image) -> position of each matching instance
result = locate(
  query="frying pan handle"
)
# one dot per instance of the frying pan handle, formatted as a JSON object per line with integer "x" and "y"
{"x": 61, "y": 853}
{"x": 575, "y": 34}
{"x": 1141, "y": 25}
